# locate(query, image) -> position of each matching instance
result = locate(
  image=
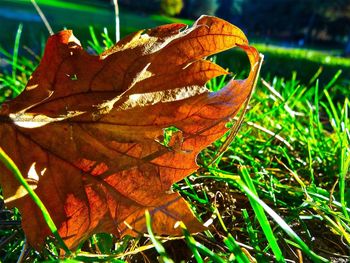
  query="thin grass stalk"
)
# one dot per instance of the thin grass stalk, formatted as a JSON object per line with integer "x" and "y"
{"x": 117, "y": 22}
{"x": 43, "y": 18}
{"x": 344, "y": 159}
{"x": 23, "y": 251}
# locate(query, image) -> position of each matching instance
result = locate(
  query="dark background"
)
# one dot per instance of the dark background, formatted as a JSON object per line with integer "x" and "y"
{"x": 295, "y": 22}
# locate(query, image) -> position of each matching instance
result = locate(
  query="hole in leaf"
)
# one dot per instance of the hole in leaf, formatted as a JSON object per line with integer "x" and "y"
{"x": 171, "y": 134}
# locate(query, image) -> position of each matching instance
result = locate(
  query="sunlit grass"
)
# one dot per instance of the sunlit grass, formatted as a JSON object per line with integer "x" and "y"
{"x": 279, "y": 193}
{"x": 322, "y": 57}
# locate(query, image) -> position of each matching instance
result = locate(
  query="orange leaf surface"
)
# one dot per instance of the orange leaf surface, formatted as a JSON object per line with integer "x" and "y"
{"x": 87, "y": 132}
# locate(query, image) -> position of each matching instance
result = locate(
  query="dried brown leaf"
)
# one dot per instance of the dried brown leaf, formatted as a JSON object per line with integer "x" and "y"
{"x": 87, "y": 131}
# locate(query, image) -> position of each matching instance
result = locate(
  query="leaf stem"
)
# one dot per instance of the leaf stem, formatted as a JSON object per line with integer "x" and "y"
{"x": 234, "y": 130}
{"x": 18, "y": 175}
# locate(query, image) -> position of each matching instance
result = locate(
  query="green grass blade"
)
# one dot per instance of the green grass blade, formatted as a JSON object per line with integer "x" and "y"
{"x": 158, "y": 246}
{"x": 281, "y": 223}
{"x": 15, "y": 51}
{"x": 251, "y": 232}
{"x": 333, "y": 80}
{"x": 191, "y": 243}
{"x": 334, "y": 112}
{"x": 16, "y": 172}
{"x": 95, "y": 44}
{"x": 261, "y": 216}
{"x": 344, "y": 157}
{"x": 207, "y": 252}
{"x": 236, "y": 249}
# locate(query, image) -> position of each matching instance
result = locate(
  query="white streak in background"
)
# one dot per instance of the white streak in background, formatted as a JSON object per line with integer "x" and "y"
{"x": 117, "y": 22}
{"x": 41, "y": 14}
